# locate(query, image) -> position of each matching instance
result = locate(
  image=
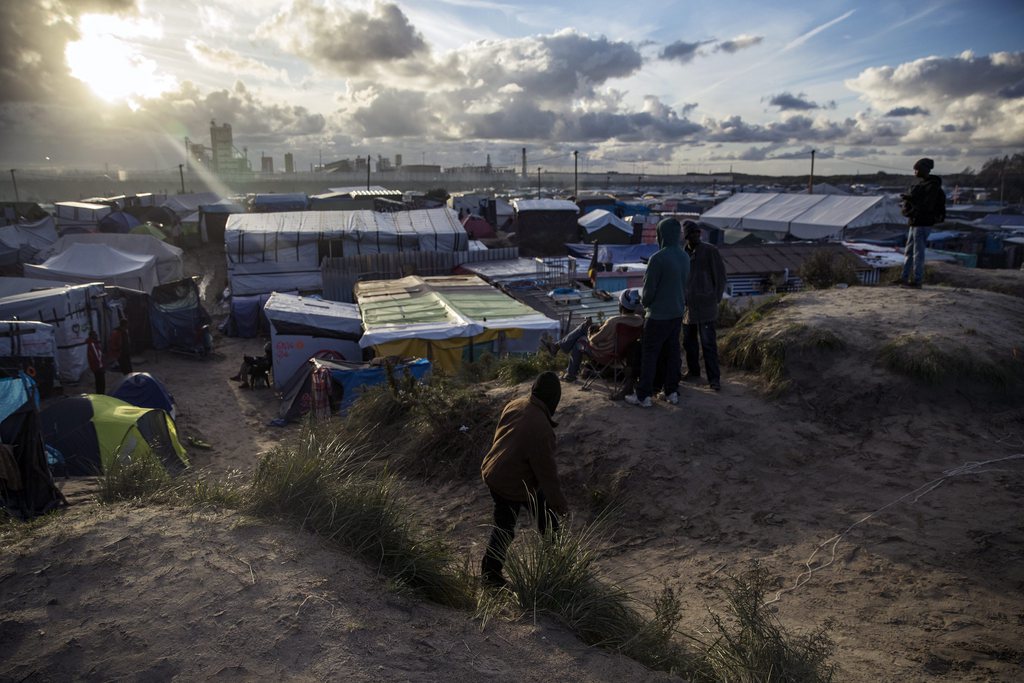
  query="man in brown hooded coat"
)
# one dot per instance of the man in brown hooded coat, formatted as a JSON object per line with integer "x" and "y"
{"x": 520, "y": 468}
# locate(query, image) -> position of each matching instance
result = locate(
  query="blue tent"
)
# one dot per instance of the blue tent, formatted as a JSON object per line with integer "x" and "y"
{"x": 118, "y": 222}
{"x": 145, "y": 391}
{"x": 177, "y": 316}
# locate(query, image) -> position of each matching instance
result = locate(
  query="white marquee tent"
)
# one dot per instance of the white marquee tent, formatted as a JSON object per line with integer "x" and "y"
{"x": 802, "y": 216}
{"x": 168, "y": 257}
{"x": 87, "y": 262}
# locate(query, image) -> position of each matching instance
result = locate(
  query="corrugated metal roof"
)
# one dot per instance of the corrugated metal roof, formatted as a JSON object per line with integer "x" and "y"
{"x": 775, "y": 258}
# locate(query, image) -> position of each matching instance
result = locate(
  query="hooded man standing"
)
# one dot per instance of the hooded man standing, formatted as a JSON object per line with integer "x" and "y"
{"x": 703, "y": 293}
{"x": 520, "y": 468}
{"x": 924, "y": 205}
{"x": 664, "y": 300}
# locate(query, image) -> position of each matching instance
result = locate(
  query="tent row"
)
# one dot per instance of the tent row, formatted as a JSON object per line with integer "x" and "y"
{"x": 802, "y": 216}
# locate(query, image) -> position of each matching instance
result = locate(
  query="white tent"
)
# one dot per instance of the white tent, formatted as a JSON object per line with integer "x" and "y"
{"x": 21, "y": 242}
{"x": 301, "y": 327}
{"x": 79, "y": 216}
{"x": 168, "y": 257}
{"x": 87, "y": 262}
{"x": 72, "y": 310}
{"x": 599, "y": 218}
{"x": 282, "y": 251}
{"x": 186, "y": 204}
{"x": 802, "y": 216}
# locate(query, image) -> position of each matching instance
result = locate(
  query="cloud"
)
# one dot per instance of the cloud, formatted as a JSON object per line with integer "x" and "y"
{"x": 391, "y": 113}
{"x": 740, "y": 42}
{"x": 228, "y": 60}
{"x": 33, "y": 34}
{"x": 345, "y": 41}
{"x": 907, "y": 111}
{"x": 789, "y": 102}
{"x": 681, "y": 51}
{"x": 797, "y": 128}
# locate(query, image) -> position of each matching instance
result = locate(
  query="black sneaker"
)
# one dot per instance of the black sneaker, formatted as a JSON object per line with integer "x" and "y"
{"x": 550, "y": 346}
{"x": 716, "y": 386}
{"x": 691, "y": 377}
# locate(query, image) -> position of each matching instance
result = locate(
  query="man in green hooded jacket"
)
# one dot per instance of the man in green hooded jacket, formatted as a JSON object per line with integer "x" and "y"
{"x": 664, "y": 299}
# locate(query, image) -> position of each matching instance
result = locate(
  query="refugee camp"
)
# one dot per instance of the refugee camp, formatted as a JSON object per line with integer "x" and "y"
{"x": 393, "y": 341}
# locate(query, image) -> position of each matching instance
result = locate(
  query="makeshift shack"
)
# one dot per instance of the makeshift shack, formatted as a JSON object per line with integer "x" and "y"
{"x": 603, "y": 227}
{"x": 73, "y": 310}
{"x": 542, "y": 227}
{"x": 269, "y": 252}
{"x": 91, "y": 431}
{"x": 301, "y": 327}
{"x": 77, "y": 217}
{"x": 26, "y": 485}
{"x": 88, "y": 262}
{"x": 177, "y": 316}
{"x": 23, "y": 242}
{"x": 446, "y": 319}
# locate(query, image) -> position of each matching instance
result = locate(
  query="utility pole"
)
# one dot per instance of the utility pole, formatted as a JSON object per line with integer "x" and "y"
{"x": 810, "y": 180}
{"x": 367, "y": 171}
{"x": 576, "y": 174}
{"x": 15, "y": 182}
{"x": 538, "y": 182}
{"x": 181, "y": 173}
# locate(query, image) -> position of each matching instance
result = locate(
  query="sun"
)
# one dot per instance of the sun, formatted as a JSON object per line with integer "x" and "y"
{"x": 110, "y": 65}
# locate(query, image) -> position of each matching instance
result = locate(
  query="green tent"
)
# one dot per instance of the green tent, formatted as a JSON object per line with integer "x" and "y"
{"x": 91, "y": 430}
{"x": 151, "y": 230}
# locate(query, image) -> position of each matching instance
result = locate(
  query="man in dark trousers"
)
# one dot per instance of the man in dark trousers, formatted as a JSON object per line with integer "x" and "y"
{"x": 664, "y": 300}
{"x": 121, "y": 347}
{"x": 520, "y": 467}
{"x": 95, "y": 354}
{"x": 704, "y": 291}
{"x": 924, "y": 205}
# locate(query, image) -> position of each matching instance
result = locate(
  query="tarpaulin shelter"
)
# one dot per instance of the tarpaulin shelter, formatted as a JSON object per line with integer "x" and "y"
{"x": 22, "y": 242}
{"x": 278, "y": 202}
{"x": 477, "y": 227}
{"x": 77, "y": 217}
{"x": 90, "y": 431}
{"x": 176, "y": 315}
{"x": 123, "y": 303}
{"x": 269, "y": 252}
{"x": 214, "y": 217}
{"x": 26, "y": 485}
{"x": 543, "y": 226}
{"x": 88, "y": 262}
{"x": 143, "y": 390}
{"x": 186, "y": 204}
{"x": 30, "y": 347}
{"x": 73, "y": 310}
{"x": 299, "y": 394}
{"x": 168, "y": 257}
{"x": 246, "y": 317}
{"x": 301, "y": 327}
{"x": 803, "y": 216}
{"x": 446, "y": 319}
{"x": 604, "y": 227}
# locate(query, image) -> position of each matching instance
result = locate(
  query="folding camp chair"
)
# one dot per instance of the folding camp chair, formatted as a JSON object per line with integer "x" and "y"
{"x": 614, "y": 363}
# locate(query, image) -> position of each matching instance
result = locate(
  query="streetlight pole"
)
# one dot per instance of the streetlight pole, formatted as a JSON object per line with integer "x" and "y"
{"x": 810, "y": 180}
{"x": 15, "y": 182}
{"x": 538, "y": 182}
{"x": 576, "y": 174}
{"x": 181, "y": 173}
{"x": 367, "y": 171}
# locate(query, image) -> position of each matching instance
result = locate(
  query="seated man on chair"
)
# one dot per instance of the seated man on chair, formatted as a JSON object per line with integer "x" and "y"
{"x": 599, "y": 342}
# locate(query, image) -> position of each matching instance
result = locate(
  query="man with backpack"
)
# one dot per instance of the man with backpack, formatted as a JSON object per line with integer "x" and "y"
{"x": 924, "y": 205}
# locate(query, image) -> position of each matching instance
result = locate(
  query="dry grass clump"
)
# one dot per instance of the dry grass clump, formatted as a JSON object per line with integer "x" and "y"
{"x": 918, "y": 357}
{"x": 760, "y": 344}
{"x": 510, "y": 369}
{"x": 136, "y": 478}
{"x": 323, "y": 484}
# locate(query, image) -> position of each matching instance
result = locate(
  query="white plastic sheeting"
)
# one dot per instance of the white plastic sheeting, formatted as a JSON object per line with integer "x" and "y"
{"x": 79, "y": 216}
{"x": 803, "y": 216}
{"x": 545, "y": 205}
{"x": 168, "y": 257}
{"x": 301, "y": 327}
{"x": 22, "y": 242}
{"x": 87, "y": 262}
{"x": 278, "y": 251}
{"x": 21, "y": 338}
{"x": 599, "y": 218}
{"x": 72, "y": 311}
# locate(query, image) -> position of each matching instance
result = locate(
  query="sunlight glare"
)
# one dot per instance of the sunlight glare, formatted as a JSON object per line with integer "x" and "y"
{"x": 113, "y": 68}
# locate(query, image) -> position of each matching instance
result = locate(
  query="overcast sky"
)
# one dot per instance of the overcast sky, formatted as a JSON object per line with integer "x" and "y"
{"x": 645, "y": 86}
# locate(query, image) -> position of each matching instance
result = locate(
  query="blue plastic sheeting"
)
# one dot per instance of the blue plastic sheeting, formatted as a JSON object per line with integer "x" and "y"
{"x": 352, "y": 380}
{"x": 614, "y": 253}
{"x": 145, "y": 391}
{"x": 176, "y": 316}
{"x": 289, "y": 201}
{"x": 246, "y": 318}
{"x": 16, "y": 392}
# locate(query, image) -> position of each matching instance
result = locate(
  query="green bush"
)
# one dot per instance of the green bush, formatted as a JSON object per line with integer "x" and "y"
{"x": 825, "y": 268}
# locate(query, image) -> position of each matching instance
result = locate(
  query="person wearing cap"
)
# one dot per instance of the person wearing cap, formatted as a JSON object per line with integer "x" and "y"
{"x": 924, "y": 205}
{"x": 591, "y": 340}
{"x": 520, "y": 469}
{"x": 704, "y": 291}
{"x": 664, "y": 299}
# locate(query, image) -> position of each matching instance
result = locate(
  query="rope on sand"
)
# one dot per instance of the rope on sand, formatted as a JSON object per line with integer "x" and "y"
{"x": 973, "y": 467}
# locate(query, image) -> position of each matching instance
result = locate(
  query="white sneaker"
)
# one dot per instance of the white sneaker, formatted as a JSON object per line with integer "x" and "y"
{"x": 634, "y": 401}
{"x": 673, "y": 398}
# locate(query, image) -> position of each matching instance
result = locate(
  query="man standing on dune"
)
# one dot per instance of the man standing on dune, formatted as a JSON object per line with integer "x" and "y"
{"x": 924, "y": 205}
{"x": 703, "y": 294}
